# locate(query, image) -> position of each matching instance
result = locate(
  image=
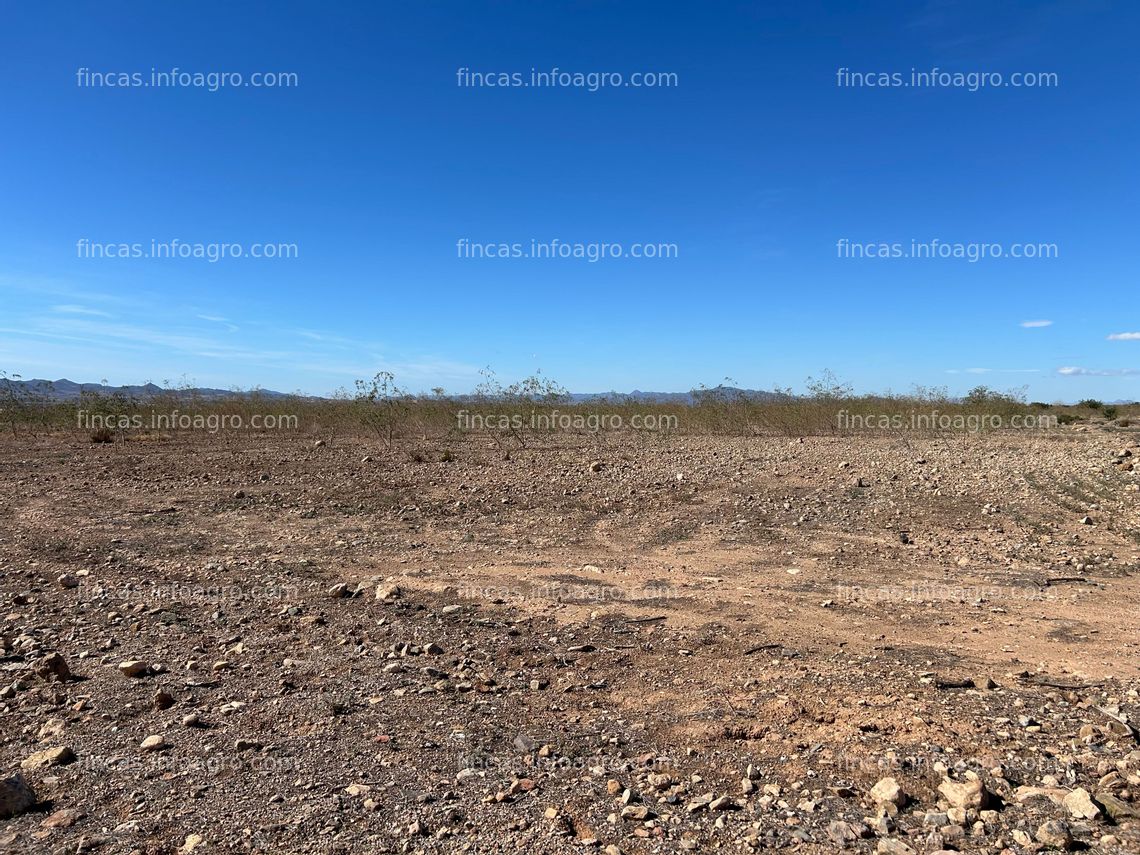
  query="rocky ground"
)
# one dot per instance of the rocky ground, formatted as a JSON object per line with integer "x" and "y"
{"x": 618, "y": 644}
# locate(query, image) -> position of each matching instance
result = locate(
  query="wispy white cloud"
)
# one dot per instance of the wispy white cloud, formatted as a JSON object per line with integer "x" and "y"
{"x": 216, "y": 319}
{"x": 341, "y": 341}
{"x": 133, "y": 336}
{"x": 1077, "y": 371}
{"x": 1034, "y": 324}
{"x": 307, "y": 352}
{"x": 71, "y": 309}
{"x": 1124, "y": 336}
{"x": 40, "y": 286}
{"x": 58, "y": 336}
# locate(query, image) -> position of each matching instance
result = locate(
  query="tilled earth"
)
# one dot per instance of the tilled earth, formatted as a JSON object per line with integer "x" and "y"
{"x": 619, "y": 644}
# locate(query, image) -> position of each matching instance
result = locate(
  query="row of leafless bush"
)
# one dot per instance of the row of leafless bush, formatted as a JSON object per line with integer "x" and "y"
{"x": 514, "y": 415}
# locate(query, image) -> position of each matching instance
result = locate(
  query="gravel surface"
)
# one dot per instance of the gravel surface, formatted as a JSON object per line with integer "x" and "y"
{"x": 261, "y": 644}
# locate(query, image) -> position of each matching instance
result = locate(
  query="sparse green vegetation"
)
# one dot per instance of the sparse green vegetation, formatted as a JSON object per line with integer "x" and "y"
{"x": 23, "y": 406}
{"x": 382, "y": 406}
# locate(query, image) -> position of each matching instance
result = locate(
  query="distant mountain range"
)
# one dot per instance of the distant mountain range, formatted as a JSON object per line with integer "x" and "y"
{"x": 728, "y": 393}
{"x": 68, "y": 390}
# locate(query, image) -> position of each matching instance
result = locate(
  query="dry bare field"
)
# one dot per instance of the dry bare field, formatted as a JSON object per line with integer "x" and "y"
{"x": 283, "y": 643}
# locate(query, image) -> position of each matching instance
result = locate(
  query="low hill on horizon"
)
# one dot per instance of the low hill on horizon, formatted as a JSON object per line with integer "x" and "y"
{"x": 68, "y": 390}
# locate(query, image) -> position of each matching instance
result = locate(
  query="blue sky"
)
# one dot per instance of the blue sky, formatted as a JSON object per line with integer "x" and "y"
{"x": 754, "y": 166}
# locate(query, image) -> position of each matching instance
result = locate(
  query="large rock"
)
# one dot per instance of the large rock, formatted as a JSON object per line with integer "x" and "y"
{"x": 1024, "y": 794}
{"x": 888, "y": 792}
{"x": 48, "y": 757}
{"x": 1055, "y": 834}
{"x": 842, "y": 834}
{"x": 133, "y": 668}
{"x": 64, "y": 818}
{"x": 53, "y": 666}
{"x": 970, "y": 793}
{"x": 1117, "y": 809}
{"x": 1080, "y": 805}
{"x": 16, "y": 796}
{"x": 387, "y": 592}
{"x": 890, "y": 846}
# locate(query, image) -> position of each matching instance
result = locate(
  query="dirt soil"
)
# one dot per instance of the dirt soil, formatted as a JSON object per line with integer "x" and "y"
{"x": 274, "y": 644}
